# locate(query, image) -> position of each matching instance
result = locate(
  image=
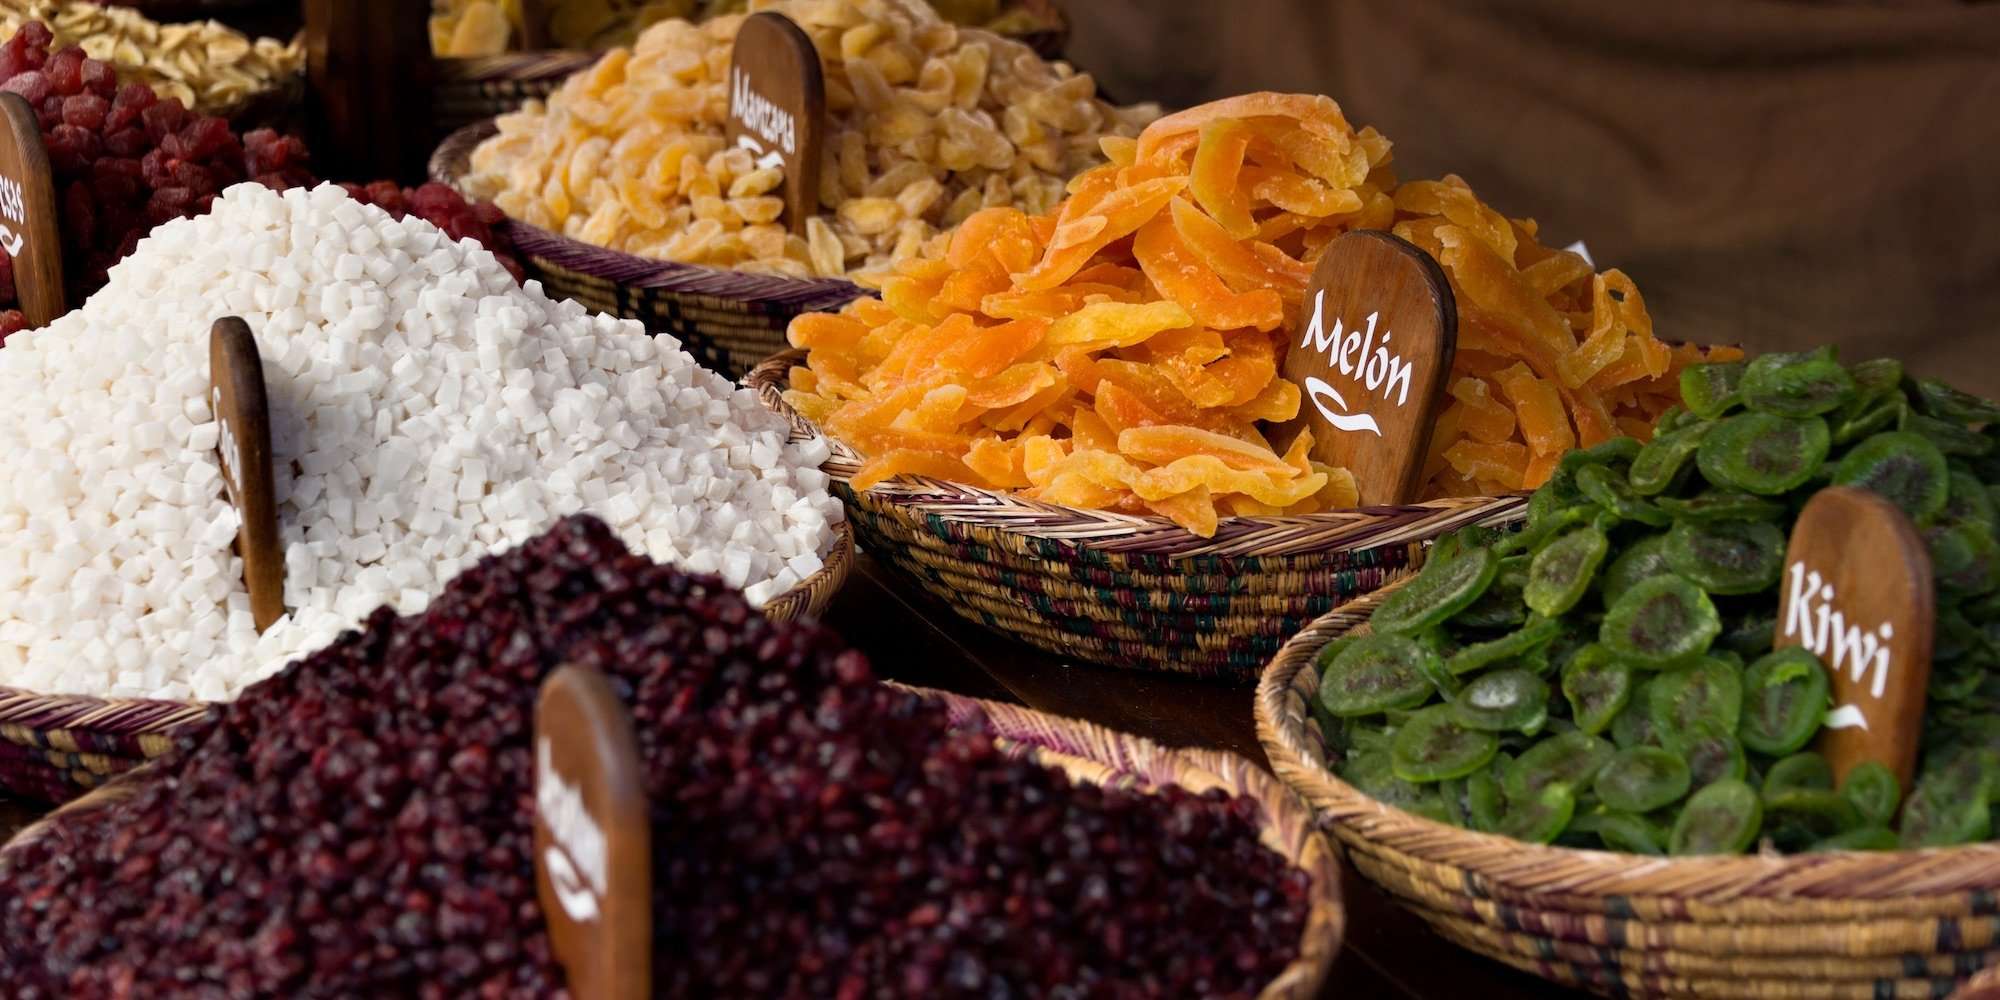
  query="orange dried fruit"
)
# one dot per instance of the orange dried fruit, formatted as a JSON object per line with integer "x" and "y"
{"x": 988, "y": 351}
{"x": 1215, "y": 177}
{"x": 1180, "y": 276}
{"x": 887, "y": 465}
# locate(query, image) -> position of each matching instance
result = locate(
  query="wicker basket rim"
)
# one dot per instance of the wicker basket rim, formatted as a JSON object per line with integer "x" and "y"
{"x": 452, "y": 159}
{"x": 1084, "y": 749}
{"x": 1530, "y": 867}
{"x": 1352, "y": 529}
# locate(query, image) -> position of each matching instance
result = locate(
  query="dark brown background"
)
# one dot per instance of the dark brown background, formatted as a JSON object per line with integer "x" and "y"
{"x": 1775, "y": 173}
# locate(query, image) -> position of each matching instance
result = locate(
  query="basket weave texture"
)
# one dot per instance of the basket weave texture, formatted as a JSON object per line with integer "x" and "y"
{"x": 1130, "y": 591}
{"x": 729, "y": 320}
{"x": 1100, "y": 756}
{"x": 53, "y": 747}
{"x": 1902, "y": 924}
{"x": 471, "y": 90}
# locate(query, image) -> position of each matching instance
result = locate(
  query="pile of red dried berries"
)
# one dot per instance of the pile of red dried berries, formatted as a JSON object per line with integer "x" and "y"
{"x": 358, "y": 826}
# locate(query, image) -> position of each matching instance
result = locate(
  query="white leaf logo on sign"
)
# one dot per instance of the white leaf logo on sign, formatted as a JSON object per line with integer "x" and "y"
{"x": 577, "y": 858}
{"x": 1355, "y": 353}
{"x": 1824, "y": 630}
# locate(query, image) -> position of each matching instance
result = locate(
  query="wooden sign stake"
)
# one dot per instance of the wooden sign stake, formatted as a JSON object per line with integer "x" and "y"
{"x": 1372, "y": 360}
{"x": 367, "y": 63}
{"x": 28, "y": 230}
{"x": 777, "y": 106}
{"x": 593, "y": 838}
{"x": 236, "y": 395}
{"x": 1858, "y": 593}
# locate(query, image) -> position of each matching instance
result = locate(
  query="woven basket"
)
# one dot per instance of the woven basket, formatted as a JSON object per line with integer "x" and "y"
{"x": 472, "y": 90}
{"x": 1131, "y": 591}
{"x": 54, "y": 746}
{"x": 728, "y": 319}
{"x": 1093, "y": 754}
{"x": 1864, "y": 925}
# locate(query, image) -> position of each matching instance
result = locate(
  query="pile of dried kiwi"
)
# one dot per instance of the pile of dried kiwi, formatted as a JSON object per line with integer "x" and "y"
{"x": 1604, "y": 676}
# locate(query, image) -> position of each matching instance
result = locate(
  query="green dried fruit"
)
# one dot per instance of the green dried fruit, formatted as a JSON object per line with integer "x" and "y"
{"x": 1873, "y": 791}
{"x": 1562, "y": 571}
{"x": 1969, "y": 501}
{"x": 1503, "y": 700}
{"x": 1662, "y": 461}
{"x": 1722, "y": 818}
{"x": 1799, "y": 817}
{"x": 1439, "y": 591}
{"x": 1804, "y": 384}
{"x": 1728, "y": 557}
{"x": 1784, "y": 700}
{"x": 1611, "y": 492}
{"x": 1633, "y": 725}
{"x": 1852, "y": 424}
{"x": 1621, "y": 832}
{"x": 1713, "y": 753}
{"x": 1641, "y": 560}
{"x": 1571, "y": 758}
{"x": 1749, "y": 634}
{"x": 1952, "y": 439}
{"x": 1375, "y": 674}
{"x": 1763, "y": 453}
{"x": 1433, "y": 746}
{"x": 1965, "y": 558}
{"x": 1806, "y": 770}
{"x": 1705, "y": 691}
{"x": 1862, "y": 838}
{"x": 1661, "y": 622}
{"x": 1712, "y": 390}
{"x": 1721, "y": 505}
{"x": 1946, "y": 403}
{"x": 1538, "y": 632}
{"x": 1501, "y": 605}
{"x": 1597, "y": 686}
{"x": 1906, "y": 468}
{"x": 1540, "y": 818}
{"x": 1373, "y": 775}
{"x": 1484, "y": 799}
{"x": 1641, "y": 779}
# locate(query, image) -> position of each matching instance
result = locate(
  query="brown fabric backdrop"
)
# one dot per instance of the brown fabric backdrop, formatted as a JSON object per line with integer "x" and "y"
{"x": 1774, "y": 173}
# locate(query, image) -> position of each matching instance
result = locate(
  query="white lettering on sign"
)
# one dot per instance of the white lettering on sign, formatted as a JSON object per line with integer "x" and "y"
{"x": 1843, "y": 646}
{"x": 767, "y": 121}
{"x": 226, "y": 443}
{"x": 11, "y": 203}
{"x": 578, "y": 859}
{"x": 1349, "y": 351}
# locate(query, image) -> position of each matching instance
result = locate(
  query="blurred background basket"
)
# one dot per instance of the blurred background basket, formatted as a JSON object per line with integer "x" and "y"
{"x": 1093, "y": 754}
{"x": 729, "y": 320}
{"x": 469, "y": 91}
{"x": 1849, "y": 924}
{"x": 1129, "y": 591}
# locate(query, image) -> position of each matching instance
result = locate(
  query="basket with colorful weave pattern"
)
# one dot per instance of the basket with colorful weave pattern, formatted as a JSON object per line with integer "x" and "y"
{"x": 470, "y": 90}
{"x": 1092, "y": 754}
{"x": 1124, "y": 590}
{"x": 1825, "y": 926}
{"x": 729, "y": 320}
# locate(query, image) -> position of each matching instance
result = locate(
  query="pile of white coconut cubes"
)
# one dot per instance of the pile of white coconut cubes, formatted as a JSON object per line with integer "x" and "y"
{"x": 426, "y": 411}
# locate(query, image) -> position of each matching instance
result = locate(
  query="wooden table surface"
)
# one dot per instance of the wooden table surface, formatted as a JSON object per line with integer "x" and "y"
{"x": 912, "y": 638}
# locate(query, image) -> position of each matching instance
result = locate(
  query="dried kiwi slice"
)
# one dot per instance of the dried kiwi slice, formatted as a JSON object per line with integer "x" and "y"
{"x": 1749, "y": 634}
{"x": 1763, "y": 453}
{"x": 1950, "y": 438}
{"x": 1713, "y": 753}
{"x": 1611, "y": 451}
{"x": 1711, "y": 506}
{"x": 1503, "y": 700}
{"x": 1853, "y": 423}
{"x": 1433, "y": 746}
{"x": 1804, "y": 384}
{"x": 1662, "y": 621}
{"x": 1712, "y": 390}
{"x": 1541, "y": 818}
{"x": 1949, "y": 805}
{"x": 1946, "y": 403}
{"x": 1641, "y": 779}
{"x": 1877, "y": 377}
{"x": 1784, "y": 700}
{"x": 1807, "y": 770}
{"x": 1597, "y": 686}
{"x": 1861, "y": 838}
{"x": 1965, "y": 557}
{"x": 1633, "y": 725}
{"x": 1613, "y": 493}
{"x": 1538, "y": 632}
{"x": 1722, "y": 818}
{"x": 1871, "y": 788}
{"x": 1372, "y": 774}
{"x": 1485, "y": 802}
{"x": 1798, "y": 817}
{"x": 1571, "y": 758}
{"x": 1641, "y": 560}
{"x": 1728, "y": 557}
{"x": 1706, "y": 691}
{"x": 1439, "y": 591}
{"x": 1660, "y": 463}
{"x": 1621, "y": 832}
{"x": 1442, "y": 645}
{"x": 1969, "y": 501}
{"x": 1501, "y": 605}
{"x": 1562, "y": 571}
{"x": 1374, "y": 674}
{"x": 1906, "y": 468}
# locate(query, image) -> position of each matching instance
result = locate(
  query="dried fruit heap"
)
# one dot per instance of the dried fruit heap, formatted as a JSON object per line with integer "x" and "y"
{"x": 1121, "y": 351}
{"x": 1605, "y": 677}
{"x": 208, "y": 66}
{"x": 357, "y": 825}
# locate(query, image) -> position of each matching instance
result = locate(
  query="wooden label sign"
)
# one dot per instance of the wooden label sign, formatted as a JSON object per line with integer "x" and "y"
{"x": 243, "y": 412}
{"x": 28, "y": 231}
{"x": 1857, "y": 593}
{"x": 593, "y": 844}
{"x": 1372, "y": 358}
{"x": 777, "y": 107}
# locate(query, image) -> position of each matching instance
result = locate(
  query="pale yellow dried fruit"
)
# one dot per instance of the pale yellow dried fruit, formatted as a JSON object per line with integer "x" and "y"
{"x": 208, "y": 66}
